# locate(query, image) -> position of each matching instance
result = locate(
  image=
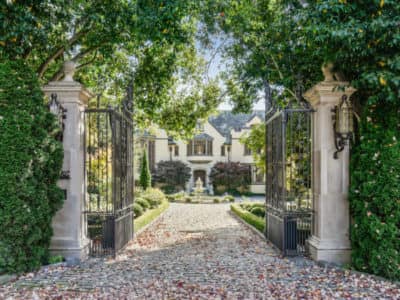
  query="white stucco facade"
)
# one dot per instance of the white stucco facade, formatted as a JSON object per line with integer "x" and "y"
{"x": 224, "y": 148}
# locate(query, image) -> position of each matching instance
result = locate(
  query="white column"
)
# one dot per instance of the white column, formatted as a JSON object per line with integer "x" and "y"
{"x": 330, "y": 234}
{"x": 69, "y": 226}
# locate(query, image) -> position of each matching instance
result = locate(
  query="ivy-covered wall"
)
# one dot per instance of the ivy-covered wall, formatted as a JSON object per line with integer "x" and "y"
{"x": 30, "y": 165}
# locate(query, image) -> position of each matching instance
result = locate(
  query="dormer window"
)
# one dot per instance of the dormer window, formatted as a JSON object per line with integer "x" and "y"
{"x": 199, "y": 127}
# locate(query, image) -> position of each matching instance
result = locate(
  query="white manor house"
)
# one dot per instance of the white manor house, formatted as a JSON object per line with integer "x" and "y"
{"x": 218, "y": 140}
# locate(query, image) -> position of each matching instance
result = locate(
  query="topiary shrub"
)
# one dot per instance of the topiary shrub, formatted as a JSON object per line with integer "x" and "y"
{"x": 153, "y": 196}
{"x": 258, "y": 204}
{"x": 137, "y": 210}
{"x": 229, "y": 198}
{"x": 30, "y": 165}
{"x": 258, "y": 211}
{"x": 143, "y": 203}
{"x": 145, "y": 175}
{"x": 249, "y": 218}
{"x": 216, "y": 200}
{"x": 246, "y": 206}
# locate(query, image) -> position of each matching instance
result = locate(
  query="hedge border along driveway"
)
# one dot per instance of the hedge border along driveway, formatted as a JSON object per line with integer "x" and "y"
{"x": 257, "y": 222}
{"x": 149, "y": 216}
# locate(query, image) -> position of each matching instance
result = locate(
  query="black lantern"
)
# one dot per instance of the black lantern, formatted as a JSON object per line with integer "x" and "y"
{"x": 342, "y": 124}
{"x": 59, "y": 111}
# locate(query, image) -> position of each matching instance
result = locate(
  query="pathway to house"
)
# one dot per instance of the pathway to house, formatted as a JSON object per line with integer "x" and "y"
{"x": 198, "y": 251}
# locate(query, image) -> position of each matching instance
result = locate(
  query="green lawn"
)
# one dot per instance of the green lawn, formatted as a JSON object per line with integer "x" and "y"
{"x": 149, "y": 216}
{"x": 249, "y": 218}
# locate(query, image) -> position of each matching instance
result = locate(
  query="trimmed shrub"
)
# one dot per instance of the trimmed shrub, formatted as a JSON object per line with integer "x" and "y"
{"x": 145, "y": 175}
{"x": 149, "y": 216}
{"x": 153, "y": 196}
{"x": 171, "y": 198}
{"x": 258, "y": 211}
{"x": 171, "y": 175}
{"x": 229, "y": 198}
{"x": 30, "y": 165}
{"x": 143, "y": 203}
{"x": 56, "y": 259}
{"x": 216, "y": 200}
{"x": 188, "y": 199}
{"x": 137, "y": 210}
{"x": 235, "y": 177}
{"x": 249, "y": 218}
{"x": 246, "y": 206}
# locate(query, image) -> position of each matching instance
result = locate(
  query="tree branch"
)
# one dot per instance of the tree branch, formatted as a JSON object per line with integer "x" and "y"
{"x": 44, "y": 66}
{"x": 281, "y": 75}
{"x": 85, "y": 52}
{"x": 88, "y": 62}
{"x": 57, "y": 76}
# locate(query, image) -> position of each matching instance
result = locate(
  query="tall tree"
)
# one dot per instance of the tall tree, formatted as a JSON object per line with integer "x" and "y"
{"x": 145, "y": 175}
{"x": 276, "y": 41}
{"x": 113, "y": 42}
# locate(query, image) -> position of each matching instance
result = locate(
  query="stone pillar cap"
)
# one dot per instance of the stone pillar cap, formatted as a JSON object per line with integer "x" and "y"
{"x": 328, "y": 92}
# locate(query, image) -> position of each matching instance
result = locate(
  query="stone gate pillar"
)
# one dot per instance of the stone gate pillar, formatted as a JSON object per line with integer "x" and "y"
{"x": 69, "y": 226}
{"x": 330, "y": 240}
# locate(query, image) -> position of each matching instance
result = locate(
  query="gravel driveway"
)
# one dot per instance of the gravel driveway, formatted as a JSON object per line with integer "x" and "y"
{"x": 198, "y": 251}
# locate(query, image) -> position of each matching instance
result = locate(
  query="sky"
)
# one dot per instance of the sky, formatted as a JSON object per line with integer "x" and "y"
{"x": 217, "y": 65}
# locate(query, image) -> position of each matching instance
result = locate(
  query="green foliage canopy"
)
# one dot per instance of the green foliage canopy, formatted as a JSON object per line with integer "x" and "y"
{"x": 113, "y": 43}
{"x": 275, "y": 41}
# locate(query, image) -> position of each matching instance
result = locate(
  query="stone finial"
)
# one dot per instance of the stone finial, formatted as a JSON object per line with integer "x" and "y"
{"x": 69, "y": 68}
{"x": 327, "y": 70}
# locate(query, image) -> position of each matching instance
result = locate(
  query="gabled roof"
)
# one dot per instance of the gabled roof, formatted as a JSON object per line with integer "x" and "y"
{"x": 203, "y": 136}
{"x": 225, "y": 121}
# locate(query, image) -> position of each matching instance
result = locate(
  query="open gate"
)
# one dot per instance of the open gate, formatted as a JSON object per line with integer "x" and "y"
{"x": 288, "y": 179}
{"x": 109, "y": 180}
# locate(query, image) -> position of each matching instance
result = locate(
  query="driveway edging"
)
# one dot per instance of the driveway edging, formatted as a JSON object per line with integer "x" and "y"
{"x": 255, "y": 230}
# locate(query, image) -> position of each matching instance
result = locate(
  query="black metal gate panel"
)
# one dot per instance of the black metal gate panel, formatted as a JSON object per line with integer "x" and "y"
{"x": 288, "y": 179}
{"x": 109, "y": 180}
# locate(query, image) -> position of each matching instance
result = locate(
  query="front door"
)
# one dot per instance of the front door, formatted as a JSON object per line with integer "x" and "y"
{"x": 200, "y": 174}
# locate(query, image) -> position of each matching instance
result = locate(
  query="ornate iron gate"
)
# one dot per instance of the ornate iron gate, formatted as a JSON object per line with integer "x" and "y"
{"x": 288, "y": 178}
{"x": 109, "y": 180}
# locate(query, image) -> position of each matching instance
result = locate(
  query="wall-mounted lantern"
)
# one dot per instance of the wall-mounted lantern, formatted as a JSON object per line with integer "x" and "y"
{"x": 59, "y": 111}
{"x": 342, "y": 124}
